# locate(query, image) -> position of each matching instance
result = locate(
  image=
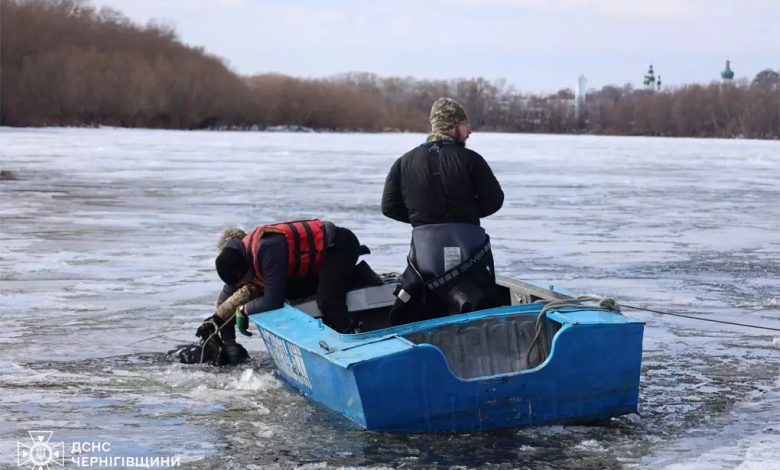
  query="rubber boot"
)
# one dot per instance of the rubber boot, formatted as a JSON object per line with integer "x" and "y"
{"x": 232, "y": 353}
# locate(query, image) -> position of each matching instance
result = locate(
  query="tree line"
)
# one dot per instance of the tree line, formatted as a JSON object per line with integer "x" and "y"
{"x": 65, "y": 62}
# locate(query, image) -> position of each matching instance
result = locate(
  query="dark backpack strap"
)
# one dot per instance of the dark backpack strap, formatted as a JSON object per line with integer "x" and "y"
{"x": 434, "y": 168}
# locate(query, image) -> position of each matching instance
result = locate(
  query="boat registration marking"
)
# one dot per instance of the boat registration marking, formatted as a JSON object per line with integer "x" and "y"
{"x": 287, "y": 357}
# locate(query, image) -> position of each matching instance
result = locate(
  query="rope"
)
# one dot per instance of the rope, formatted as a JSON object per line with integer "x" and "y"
{"x": 239, "y": 297}
{"x": 702, "y": 319}
{"x": 152, "y": 337}
{"x": 605, "y": 303}
{"x": 203, "y": 348}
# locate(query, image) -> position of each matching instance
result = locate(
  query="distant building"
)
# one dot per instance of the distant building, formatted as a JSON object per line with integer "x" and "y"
{"x": 580, "y": 89}
{"x": 727, "y": 75}
{"x": 649, "y": 80}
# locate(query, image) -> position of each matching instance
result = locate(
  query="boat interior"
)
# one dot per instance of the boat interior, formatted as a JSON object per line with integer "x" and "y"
{"x": 490, "y": 346}
{"x": 482, "y": 347}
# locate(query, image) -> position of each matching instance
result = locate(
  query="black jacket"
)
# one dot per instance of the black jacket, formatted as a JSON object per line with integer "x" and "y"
{"x": 470, "y": 190}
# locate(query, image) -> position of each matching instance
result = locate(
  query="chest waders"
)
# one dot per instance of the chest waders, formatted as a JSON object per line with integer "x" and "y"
{"x": 449, "y": 262}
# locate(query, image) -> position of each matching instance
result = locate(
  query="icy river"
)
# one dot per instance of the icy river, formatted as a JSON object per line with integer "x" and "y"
{"x": 107, "y": 242}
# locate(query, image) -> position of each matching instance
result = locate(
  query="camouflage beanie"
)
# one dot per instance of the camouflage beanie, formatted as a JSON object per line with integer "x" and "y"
{"x": 446, "y": 113}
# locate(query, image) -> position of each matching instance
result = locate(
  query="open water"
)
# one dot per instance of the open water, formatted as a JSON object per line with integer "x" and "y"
{"x": 107, "y": 240}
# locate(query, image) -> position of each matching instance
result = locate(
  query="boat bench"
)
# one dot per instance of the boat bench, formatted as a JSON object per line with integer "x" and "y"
{"x": 363, "y": 299}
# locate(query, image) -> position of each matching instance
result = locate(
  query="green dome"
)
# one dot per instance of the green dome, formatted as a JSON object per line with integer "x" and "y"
{"x": 649, "y": 77}
{"x": 727, "y": 73}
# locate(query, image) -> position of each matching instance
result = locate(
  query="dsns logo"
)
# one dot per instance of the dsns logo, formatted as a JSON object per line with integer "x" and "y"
{"x": 40, "y": 453}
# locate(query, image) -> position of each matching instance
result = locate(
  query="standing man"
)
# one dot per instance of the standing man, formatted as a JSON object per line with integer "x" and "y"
{"x": 443, "y": 189}
{"x": 279, "y": 261}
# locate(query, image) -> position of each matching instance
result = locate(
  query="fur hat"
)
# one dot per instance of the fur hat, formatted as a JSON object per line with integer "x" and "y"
{"x": 230, "y": 233}
{"x": 231, "y": 263}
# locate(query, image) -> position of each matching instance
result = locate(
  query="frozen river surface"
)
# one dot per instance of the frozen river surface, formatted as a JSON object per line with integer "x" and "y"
{"x": 108, "y": 238}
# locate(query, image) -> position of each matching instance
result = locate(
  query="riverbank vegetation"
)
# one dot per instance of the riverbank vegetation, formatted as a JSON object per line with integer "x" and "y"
{"x": 64, "y": 62}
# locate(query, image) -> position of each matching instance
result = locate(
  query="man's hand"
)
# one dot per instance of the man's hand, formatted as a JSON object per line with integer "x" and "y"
{"x": 242, "y": 321}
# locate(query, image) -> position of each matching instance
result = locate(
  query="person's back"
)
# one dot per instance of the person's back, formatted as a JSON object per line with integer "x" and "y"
{"x": 443, "y": 184}
{"x": 467, "y": 192}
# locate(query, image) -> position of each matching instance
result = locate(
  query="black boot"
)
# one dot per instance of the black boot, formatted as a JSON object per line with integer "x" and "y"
{"x": 233, "y": 354}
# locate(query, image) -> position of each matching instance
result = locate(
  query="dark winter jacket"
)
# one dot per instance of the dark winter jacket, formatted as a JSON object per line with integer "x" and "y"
{"x": 470, "y": 190}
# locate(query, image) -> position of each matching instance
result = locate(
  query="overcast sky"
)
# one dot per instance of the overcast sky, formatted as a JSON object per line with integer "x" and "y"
{"x": 537, "y": 45}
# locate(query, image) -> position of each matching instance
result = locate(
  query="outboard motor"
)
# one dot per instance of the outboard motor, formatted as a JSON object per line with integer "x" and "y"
{"x": 453, "y": 262}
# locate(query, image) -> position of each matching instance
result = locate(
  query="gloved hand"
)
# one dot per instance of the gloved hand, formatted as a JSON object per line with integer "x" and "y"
{"x": 207, "y": 328}
{"x": 242, "y": 321}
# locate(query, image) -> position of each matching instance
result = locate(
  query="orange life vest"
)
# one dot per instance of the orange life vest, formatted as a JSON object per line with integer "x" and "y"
{"x": 305, "y": 246}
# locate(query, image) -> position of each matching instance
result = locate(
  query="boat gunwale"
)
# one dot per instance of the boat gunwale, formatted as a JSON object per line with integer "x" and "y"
{"x": 353, "y": 341}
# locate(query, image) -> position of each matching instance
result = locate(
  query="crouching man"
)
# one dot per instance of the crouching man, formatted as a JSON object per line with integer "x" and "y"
{"x": 278, "y": 261}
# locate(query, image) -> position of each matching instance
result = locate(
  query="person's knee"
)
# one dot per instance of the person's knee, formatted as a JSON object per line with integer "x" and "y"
{"x": 346, "y": 240}
{"x": 335, "y": 315}
{"x": 332, "y": 307}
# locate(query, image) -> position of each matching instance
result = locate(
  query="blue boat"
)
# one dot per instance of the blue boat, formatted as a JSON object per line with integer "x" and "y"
{"x": 482, "y": 370}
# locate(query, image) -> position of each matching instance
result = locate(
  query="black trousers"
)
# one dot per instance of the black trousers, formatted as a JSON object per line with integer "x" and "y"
{"x": 335, "y": 279}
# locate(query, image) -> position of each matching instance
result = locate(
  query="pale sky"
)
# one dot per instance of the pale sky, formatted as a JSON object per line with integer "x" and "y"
{"x": 536, "y": 45}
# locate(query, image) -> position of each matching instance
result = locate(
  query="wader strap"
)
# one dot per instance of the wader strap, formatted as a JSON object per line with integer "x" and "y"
{"x": 434, "y": 168}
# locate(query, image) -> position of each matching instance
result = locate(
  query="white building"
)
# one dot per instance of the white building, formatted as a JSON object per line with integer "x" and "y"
{"x": 580, "y": 89}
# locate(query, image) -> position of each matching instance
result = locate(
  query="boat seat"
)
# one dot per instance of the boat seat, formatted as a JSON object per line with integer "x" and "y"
{"x": 364, "y": 298}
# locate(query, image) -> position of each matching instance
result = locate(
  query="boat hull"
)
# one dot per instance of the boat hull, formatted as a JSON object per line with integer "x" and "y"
{"x": 383, "y": 381}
